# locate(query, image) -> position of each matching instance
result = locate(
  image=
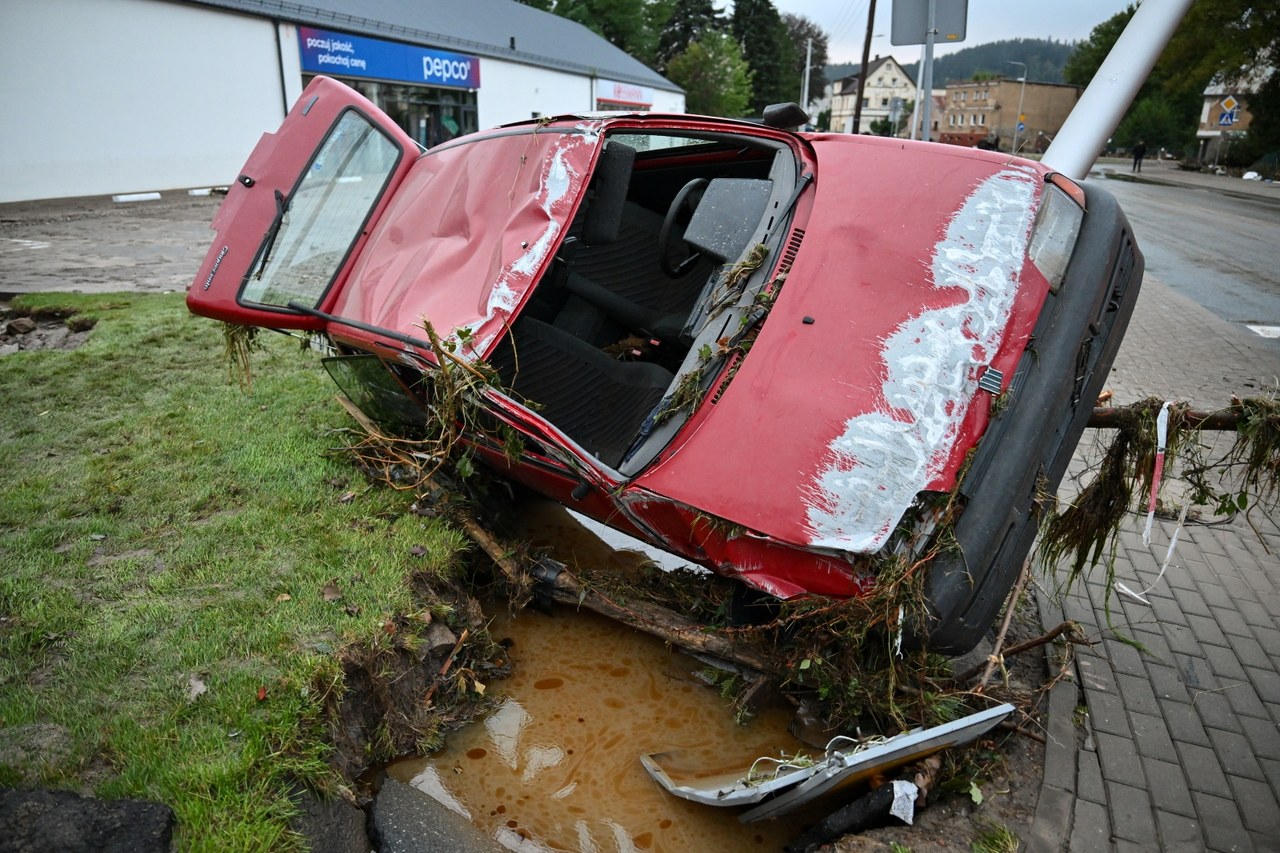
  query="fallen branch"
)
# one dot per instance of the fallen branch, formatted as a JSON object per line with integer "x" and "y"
{"x": 654, "y": 619}
{"x": 1007, "y": 726}
{"x": 1107, "y": 417}
{"x": 444, "y": 670}
{"x": 1067, "y": 627}
{"x": 996, "y": 658}
{"x": 561, "y": 585}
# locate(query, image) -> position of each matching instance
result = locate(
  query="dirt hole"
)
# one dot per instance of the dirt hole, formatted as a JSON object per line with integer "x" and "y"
{"x": 44, "y": 328}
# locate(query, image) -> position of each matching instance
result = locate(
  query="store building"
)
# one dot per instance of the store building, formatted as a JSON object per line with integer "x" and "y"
{"x": 120, "y": 96}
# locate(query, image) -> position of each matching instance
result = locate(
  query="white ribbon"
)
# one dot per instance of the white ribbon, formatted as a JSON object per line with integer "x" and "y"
{"x": 1162, "y": 435}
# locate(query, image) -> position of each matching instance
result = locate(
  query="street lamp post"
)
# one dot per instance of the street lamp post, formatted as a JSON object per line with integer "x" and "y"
{"x": 1017, "y": 129}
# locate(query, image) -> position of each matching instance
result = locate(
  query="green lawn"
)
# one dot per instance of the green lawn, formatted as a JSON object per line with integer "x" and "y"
{"x": 165, "y": 540}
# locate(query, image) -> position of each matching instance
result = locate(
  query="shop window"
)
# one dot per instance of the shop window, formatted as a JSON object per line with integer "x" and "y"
{"x": 430, "y": 114}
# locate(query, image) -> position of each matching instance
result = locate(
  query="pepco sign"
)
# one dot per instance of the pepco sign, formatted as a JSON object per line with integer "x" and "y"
{"x": 328, "y": 52}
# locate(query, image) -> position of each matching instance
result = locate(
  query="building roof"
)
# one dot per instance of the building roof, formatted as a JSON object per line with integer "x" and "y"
{"x": 1250, "y": 82}
{"x": 872, "y": 67}
{"x": 483, "y": 27}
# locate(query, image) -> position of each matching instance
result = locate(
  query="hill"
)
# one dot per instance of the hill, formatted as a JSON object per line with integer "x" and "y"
{"x": 1044, "y": 59}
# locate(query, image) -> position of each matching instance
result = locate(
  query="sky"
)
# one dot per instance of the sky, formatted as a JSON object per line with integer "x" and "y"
{"x": 988, "y": 20}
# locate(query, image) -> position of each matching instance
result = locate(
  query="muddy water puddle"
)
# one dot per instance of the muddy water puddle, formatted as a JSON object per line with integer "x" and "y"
{"x": 556, "y": 765}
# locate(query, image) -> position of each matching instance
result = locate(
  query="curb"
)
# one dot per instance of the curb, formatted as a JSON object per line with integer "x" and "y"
{"x": 1227, "y": 190}
{"x": 1052, "y": 824}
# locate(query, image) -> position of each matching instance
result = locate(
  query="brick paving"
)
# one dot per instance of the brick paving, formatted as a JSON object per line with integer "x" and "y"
{"x": 1172, "y": 733}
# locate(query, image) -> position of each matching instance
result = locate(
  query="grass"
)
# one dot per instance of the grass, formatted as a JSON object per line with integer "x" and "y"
{"x": 166, "y": 540}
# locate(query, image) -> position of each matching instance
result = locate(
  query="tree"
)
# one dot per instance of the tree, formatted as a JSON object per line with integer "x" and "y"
{"x": 1085, "y": 60}
{"x": 799, "y": 31}
{"x": 767, "y": 48}
{"x": 716, "y": 79}
{"x": 1230, "y": 42}
{"x": 688, "y": 21}
{"x": 658, "y": 15}
{"x": 1163, "y": 113}
{"x": 622, "y": 22}
{"x": 1218, "y": 40}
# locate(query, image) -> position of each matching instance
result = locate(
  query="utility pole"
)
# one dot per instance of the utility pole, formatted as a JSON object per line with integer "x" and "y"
{"x": 1094, "y": 117}
{"x": 926, "y": 82}
{"x": 1017, "y": 124}
{"x": 862, "y": 74}
{"x": 804, "y": 82}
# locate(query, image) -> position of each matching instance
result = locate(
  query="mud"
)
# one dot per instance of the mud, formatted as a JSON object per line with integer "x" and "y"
{"x": 21, "y": 332}
{"x": 556, "y": 765}
{"x": 94, "y": 245}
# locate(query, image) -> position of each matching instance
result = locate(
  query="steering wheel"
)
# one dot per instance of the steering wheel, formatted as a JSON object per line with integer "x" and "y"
{"x": 687, "y": 199}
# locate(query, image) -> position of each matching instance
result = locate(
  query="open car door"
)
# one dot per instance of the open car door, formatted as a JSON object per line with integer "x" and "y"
{"x": 296, "y": 216}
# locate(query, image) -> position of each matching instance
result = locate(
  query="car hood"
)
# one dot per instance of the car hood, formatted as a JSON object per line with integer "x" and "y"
{"x": 861, "y": 390}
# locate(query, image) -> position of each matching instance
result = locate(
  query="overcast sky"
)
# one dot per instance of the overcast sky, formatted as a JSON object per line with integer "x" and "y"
{"x": 988, "y": 20}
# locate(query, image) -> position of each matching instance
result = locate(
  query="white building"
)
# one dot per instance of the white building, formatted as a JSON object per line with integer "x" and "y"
{"x": 118, "y": 96}
{"x": 886, "y": 81}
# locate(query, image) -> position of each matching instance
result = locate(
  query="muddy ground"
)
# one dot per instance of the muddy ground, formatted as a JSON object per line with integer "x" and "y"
{"x": 94, "y": 245}
{"x": 97, "y": 246}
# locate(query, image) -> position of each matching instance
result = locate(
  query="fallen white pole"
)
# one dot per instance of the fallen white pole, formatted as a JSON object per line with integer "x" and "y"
{"x": 1099, "y": 110}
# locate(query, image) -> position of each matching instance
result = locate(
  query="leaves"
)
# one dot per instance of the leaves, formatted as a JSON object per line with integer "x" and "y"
{"x": 715, "y": 77}
{"x": 330, "y": 592}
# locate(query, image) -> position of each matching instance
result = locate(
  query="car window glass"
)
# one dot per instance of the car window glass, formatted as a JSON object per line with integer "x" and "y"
{"x": 659, "y": 141}
{"x": 316, "y": 226}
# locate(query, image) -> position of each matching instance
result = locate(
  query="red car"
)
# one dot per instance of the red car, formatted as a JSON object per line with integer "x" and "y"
{"x": 818, "y": 332}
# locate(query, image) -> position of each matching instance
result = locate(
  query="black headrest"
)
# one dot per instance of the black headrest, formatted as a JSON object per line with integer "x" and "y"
{"x": 608, "y": 193}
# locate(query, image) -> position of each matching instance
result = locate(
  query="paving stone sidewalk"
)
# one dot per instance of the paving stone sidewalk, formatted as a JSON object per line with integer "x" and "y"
{"x": 1174, "y": 746}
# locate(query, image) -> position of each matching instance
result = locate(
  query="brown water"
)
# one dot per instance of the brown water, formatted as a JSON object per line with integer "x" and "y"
{"x": 556, "y": 766}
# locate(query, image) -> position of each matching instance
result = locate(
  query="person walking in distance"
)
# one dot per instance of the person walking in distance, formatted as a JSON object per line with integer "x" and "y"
{"x": 1139, "y": 151}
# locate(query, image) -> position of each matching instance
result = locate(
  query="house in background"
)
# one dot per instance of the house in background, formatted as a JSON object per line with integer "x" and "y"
{"x": 1225, "y": 116}
{"x": 986, "y": 112}
{"x": 886, "y": 80}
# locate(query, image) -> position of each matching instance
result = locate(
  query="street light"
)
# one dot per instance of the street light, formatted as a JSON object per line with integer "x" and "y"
{"x": 1017, "y": 125}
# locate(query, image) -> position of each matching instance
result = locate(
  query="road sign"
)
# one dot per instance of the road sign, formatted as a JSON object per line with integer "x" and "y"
{"x": 911, "y": 21}
{"x": 1021, "y": 126}
{"x": 1227, "y": 118}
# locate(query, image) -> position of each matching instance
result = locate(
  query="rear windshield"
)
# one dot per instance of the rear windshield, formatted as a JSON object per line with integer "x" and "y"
{"x": 317, "y": 224}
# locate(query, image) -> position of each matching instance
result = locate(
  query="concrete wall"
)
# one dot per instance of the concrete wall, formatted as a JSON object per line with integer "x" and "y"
{"x": 513, "y": 92}
{"x": 131, "y": 95}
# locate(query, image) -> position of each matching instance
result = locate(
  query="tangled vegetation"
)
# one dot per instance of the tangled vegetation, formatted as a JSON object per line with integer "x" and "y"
{"x": 1084, "y": 532}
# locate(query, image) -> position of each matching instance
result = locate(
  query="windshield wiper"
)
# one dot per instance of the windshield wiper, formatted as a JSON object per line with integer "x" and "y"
{"x": 272, "y": 233}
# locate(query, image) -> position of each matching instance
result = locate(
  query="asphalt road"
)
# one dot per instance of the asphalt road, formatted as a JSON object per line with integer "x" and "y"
{"x": 1219, "y": 250}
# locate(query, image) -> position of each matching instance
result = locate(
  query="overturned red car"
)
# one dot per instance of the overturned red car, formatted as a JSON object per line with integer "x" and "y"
{"x": 774, "y": 353}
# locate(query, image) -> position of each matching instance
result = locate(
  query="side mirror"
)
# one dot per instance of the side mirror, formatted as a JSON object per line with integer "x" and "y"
{"x": 785, "y": 115}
